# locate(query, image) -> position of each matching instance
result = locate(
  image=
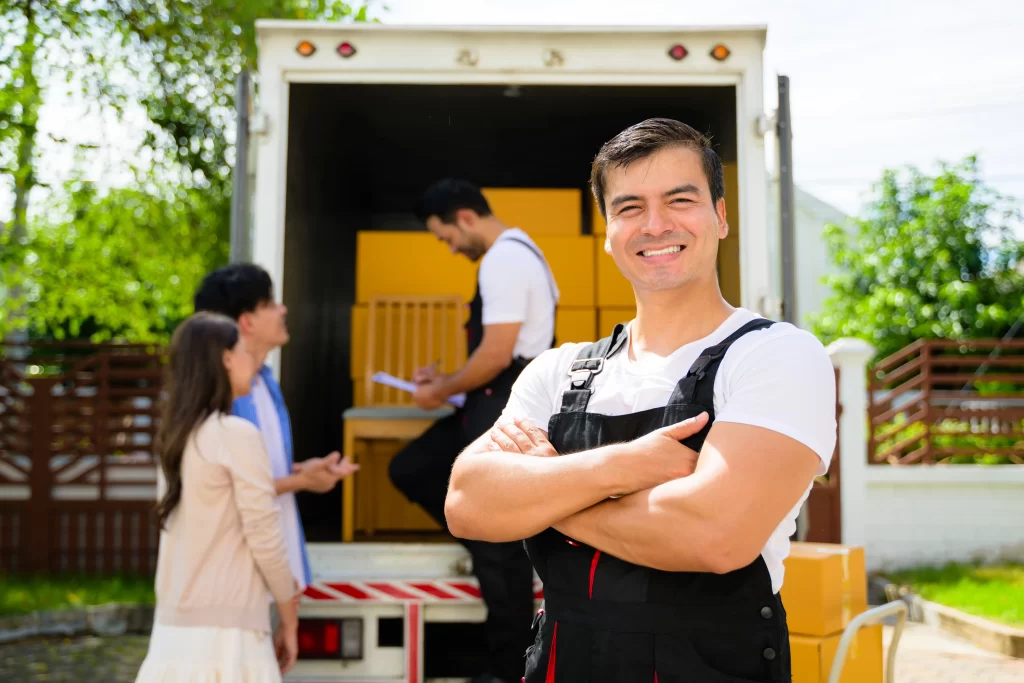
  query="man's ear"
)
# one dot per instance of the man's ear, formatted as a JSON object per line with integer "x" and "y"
{"x": 245, "y": 323}
{"x": 466, "y": 218}
{"x": 723, "y": 223}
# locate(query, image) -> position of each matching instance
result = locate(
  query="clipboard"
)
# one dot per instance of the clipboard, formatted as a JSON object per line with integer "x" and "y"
{"x": 458, "y": 400}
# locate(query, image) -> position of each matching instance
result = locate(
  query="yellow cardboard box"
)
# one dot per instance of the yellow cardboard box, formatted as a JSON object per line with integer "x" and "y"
{"x": 608, "y": 318}
{"x": 401, "y": 263}
{"x": 813, "y": 657}
{"x": 825, "y": 587}
{"x": 572, "y": 266}
{"x": 575, "y": 324}
{"x": 538, "y": 211}
{"x": 613, "y": 289}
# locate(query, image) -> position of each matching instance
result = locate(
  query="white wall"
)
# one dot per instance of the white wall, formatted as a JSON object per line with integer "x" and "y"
{"x": 932, "y": 514}
{"x": 811, "y": 257}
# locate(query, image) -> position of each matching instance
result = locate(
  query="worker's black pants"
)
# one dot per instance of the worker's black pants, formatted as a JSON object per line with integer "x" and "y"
{"x": 421, "y": 471}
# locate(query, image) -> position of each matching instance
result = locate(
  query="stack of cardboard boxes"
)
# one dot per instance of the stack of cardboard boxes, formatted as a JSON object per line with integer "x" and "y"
{"x": 825, "y": 587}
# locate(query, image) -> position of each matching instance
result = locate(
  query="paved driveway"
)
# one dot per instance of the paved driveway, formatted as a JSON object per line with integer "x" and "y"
{"x": 926, "y": 655}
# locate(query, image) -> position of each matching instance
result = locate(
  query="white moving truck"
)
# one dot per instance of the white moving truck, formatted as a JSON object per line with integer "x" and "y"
{"x": 352, "y": 123}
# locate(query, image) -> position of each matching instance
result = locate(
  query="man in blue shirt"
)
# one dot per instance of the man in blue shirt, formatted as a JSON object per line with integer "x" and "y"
{"x": 245, "y": 293}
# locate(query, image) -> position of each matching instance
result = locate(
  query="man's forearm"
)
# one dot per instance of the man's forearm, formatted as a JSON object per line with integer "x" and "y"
{"x": 289, "y": 484}
{"x": 480, "y": 368}
{"x": 667, "y": 528}
{"x": 496, "y": 496}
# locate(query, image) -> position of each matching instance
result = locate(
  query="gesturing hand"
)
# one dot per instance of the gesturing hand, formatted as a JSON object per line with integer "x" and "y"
{"x": 521, "y": 436}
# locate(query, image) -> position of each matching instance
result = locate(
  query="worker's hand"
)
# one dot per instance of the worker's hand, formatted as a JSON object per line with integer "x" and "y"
{"x": 659, "y": 457}
{"x": 430, "y": 395}
{"x": 319, "y": 475}
{"x": 343, "y": 468}
{"x": 425, "y": 375}
{"x": 521, "y": 436}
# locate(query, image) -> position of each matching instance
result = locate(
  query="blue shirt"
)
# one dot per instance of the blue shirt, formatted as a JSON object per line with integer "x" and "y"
{"x": 245, "y": 408}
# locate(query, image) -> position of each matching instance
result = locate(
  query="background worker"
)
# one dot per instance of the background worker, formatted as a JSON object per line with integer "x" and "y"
{"x": 511, "y": 321}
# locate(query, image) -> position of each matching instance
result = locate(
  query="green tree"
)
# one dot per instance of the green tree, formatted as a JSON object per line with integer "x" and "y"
{"x": 935, "y": 256}
{"x": 122, "y": 265}
{"x": 179, "y": 61}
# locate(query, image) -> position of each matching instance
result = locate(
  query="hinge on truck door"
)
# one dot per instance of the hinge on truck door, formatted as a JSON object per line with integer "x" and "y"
{"x": 467, "y": 57}
{"x": 765, "y": 123}
{"x": 259, "y": 123}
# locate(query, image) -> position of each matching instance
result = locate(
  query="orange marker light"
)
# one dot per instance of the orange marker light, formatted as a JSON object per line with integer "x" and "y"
{"x": 305, "y": 48}
{"x": 720, "y": 52}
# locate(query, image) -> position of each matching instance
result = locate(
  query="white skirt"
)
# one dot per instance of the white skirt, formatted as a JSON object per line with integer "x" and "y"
{"x": 202, "y": 654}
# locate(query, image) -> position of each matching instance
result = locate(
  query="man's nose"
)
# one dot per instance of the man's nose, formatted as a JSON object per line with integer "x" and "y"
{"x": 658, "y": 222}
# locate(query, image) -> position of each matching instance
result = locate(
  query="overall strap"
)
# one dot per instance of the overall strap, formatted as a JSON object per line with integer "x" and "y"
{"x": 589, "y": 362}
{"x": 544, "y": 262}
{"x": 702, "y": 372}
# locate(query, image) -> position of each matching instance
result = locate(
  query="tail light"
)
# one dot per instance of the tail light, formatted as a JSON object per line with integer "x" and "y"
{"x": 331, "y": 638}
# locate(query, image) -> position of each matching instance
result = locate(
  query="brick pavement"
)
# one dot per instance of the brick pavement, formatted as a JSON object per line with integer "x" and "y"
{"x": 926, "y": 655}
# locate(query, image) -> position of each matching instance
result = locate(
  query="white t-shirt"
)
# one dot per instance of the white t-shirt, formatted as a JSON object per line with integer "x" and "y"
{"x": 517, "y": 287}
{"x": 270, "y": 427}
{"x": 779, "y": 378}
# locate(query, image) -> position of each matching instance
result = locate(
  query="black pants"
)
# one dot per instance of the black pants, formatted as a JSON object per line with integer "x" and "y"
{"x": 421, "y": 471}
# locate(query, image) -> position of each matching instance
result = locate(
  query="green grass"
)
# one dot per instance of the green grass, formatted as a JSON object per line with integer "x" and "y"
{"x": 992, "y": 592}
{"x": 21, "y": 594}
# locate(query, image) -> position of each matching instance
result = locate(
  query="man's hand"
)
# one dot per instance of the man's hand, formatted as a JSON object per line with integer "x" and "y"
{"x": 319, "y": 475}
{"x": 426, "y": 374}
{"x": 430, "y": 395}
{"x": 659, "y": 457}
{"x": 521, "y": 436}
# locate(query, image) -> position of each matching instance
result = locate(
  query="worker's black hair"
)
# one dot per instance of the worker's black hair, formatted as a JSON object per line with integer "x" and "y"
{"x": 234, "y": 289}
{"x": 445, "y": 197}
{"x": 644, "y": 139}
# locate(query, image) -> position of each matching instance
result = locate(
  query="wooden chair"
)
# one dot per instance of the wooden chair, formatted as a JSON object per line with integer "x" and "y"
{"x": 402, "y": 334}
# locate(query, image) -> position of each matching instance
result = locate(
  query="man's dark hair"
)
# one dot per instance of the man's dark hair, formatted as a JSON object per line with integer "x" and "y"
{"x": 644, "y": 139}
{"x": 234, "y": 289}
{"x": 445, "y": 197}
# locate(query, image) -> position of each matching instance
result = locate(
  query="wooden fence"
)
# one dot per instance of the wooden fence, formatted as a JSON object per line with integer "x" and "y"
{"x": 940, "y": 401}
{"x": 824, "y": 503}
{"x": 77, "y": 475}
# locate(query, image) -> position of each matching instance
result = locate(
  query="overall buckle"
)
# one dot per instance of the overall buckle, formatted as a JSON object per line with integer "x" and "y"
{"x": 580, "y": 374}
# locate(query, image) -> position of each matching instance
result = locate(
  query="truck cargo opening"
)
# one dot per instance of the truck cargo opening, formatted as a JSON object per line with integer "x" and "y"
{"x": 360, "y": 155}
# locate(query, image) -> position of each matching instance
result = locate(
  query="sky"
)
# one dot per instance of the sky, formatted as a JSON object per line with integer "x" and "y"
{"x": 875, "y": 84}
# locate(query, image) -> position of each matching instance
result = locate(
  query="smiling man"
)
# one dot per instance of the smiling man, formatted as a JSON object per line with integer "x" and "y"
{"x": 685, "y": 442}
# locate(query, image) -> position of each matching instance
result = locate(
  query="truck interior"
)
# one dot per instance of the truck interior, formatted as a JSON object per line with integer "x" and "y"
{"x": 360, "y": 155}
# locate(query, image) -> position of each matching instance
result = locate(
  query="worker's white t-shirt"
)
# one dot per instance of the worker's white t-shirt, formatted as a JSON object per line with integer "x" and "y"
{"x": 270, "y": 428}
{"x": 779, "y": 378}
{"x": 517, "y": 287}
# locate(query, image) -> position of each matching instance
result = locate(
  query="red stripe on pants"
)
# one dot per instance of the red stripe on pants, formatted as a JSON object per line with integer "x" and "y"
{"x": 550, "y": 677}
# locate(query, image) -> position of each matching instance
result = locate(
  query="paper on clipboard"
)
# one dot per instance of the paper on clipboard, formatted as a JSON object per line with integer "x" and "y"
{"x": 458, "y": 400}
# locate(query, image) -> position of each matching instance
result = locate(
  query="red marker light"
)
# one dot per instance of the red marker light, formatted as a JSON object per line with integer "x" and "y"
{"x": 677, "y": 52}
{"x": 346, "y": 49}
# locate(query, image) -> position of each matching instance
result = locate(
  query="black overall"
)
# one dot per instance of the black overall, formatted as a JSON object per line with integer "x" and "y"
{"x": 421, "y": 471}
{"x": 607, "y": 620}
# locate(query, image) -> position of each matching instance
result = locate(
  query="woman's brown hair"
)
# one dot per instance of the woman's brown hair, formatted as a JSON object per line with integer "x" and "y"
{"x": 197, "y": 385}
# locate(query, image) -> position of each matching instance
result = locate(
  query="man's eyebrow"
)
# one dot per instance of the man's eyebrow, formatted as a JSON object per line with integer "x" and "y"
{"x": 622, "y": 199}
{"x": 689, "y": 188}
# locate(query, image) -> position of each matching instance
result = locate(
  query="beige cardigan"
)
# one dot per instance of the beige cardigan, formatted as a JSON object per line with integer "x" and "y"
{"x": 222, "y": 555}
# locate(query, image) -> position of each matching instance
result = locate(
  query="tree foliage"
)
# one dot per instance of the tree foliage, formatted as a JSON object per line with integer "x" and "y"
{"x": 935, "y": 256}
{"x": 122, "y": 265}
{"x": 179, "y": 61}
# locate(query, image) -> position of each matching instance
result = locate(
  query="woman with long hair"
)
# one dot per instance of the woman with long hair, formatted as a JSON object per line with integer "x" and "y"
{"x": 222, "y": 553}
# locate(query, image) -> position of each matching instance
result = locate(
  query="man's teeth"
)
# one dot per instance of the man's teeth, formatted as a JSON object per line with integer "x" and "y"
{"x": 659, "y": 252}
